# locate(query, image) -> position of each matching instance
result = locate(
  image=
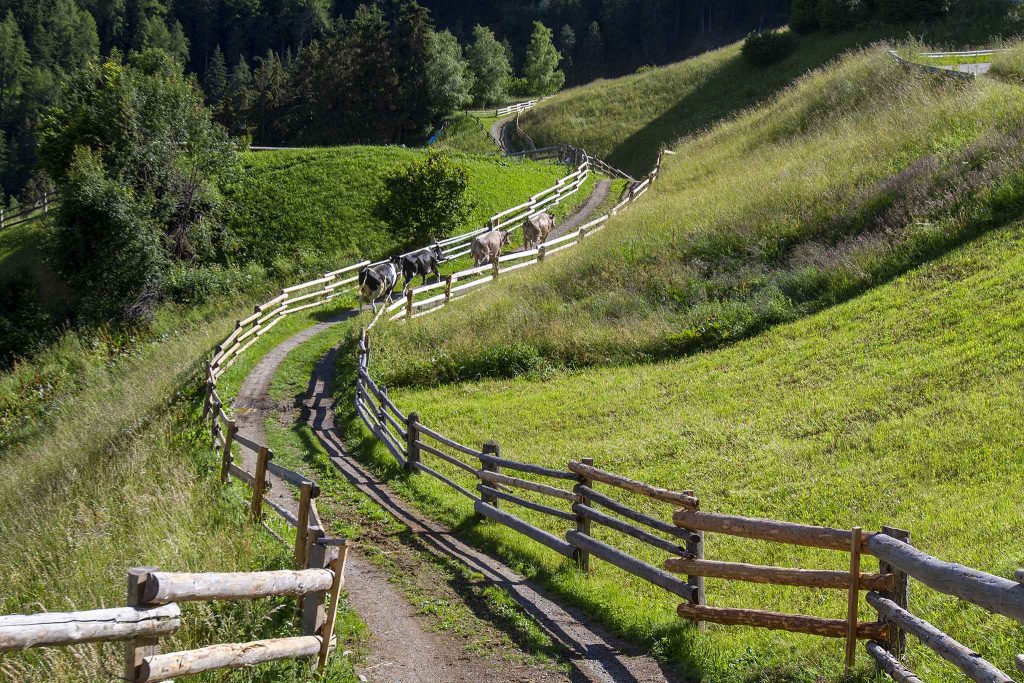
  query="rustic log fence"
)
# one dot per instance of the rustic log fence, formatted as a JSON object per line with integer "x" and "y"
{"x": 153, "y": 612}
{"x": 570, "y": 497}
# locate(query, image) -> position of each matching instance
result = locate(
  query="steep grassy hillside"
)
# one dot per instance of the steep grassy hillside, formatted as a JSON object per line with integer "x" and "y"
{"x": 899, "y": 407}
{"x": 315, "y": 206}
{"x": 105, "y": 465}
{"x": 853, "y": 175}
{"x": 469, "y": 134}
{"x": 627, "y": 120}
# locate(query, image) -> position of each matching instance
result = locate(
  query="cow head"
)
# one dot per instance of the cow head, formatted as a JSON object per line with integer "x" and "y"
{"x": 438, "y": 254}
{"x": 504, "y": 236}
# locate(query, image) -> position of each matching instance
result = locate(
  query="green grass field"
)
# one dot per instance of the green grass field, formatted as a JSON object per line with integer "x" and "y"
{"x": 898, "y": 407}
{"x": 850, "y": 177}
{"x": 469, "y": 134}
{"x": 298, "y": 209}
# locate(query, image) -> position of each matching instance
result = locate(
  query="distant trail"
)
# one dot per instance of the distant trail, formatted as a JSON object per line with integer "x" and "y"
{"x": 500, "y": 135}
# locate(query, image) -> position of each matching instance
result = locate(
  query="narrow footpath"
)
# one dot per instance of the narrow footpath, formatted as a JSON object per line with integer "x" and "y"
{"x": 403, "y": 647}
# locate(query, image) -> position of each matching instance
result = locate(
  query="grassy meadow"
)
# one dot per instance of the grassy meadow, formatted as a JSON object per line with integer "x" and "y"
{"x": 851, "y": 176}
{"x": 879, "y": 411}
{"x": 310, "y": 208}
{"x": 469, "y": 134}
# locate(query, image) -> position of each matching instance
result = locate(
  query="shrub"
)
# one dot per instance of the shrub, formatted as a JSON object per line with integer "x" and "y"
{"x": 804, "y": 16}
{"x": 769, "y": 47}
{"x": 840, "y": 15}
{"x": 911, "y": 10}
{"x": 426, "y": 200}
{"x": 517, "y": 86}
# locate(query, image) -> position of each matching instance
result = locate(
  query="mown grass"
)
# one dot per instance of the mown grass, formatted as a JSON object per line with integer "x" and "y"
{"x": 856, "y": 173}
{"x": 297, "y": 210}
{"x": 113, "y": 471}
{"x": 897, "y": 408}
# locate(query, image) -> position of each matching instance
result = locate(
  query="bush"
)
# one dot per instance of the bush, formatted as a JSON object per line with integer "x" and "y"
{"x": 840, "y": 15}
{"x": 804, "y": 16}
{"x": 911, "y": 10}
{"x": 517, "y": 86}
{"x": 426, "y": 200}
{"x": 769, "y": 47}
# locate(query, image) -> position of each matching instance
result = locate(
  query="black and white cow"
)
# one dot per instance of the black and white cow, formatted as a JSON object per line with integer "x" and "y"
{"x": 375, "y": 281}
{"x": 422, "y": 262}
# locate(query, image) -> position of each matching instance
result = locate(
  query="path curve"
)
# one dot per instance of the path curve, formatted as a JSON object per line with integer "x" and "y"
{"x": 402, "y": 649}
{"x": 500, "y": 134}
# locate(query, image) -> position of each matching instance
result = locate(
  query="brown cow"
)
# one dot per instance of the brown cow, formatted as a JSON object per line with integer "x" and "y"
{"x": 488, "y": 245}
{"x": 536, "y": 229}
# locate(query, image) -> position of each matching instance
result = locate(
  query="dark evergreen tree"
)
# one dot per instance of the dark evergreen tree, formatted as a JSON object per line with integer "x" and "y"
{"x": 215, "y": 82}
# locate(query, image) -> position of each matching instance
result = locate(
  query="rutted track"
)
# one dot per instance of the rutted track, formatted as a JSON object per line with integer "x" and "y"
{"x": 404, "y": 650}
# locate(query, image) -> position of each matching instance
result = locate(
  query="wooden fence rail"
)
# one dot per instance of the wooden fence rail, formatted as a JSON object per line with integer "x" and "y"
{"x": 153, "y": 613}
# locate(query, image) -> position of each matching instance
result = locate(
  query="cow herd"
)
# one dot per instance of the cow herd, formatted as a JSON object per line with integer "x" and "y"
{"x": 380, "y": 279}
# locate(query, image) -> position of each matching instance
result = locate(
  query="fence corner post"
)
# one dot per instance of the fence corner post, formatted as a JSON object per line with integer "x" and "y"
{"x": 695, "y": 547}
{"x": 337, "y": 565}
{"x": 259, "y": 484}
{"x": 140, "y": 647}
{"x": 493, "y": 449}
{"x": 897, "y": 641}
{"x": 582, "y": 557}
{"x": 412, "y": 446}
{"x": 227, "y": 458}
{"x": 312, "y": 604}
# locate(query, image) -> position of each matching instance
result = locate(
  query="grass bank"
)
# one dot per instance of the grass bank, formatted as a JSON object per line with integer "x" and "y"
{"x": 880, "y": 410}
{"x": 853, "y": 175}
{"x": 109, "y": 467}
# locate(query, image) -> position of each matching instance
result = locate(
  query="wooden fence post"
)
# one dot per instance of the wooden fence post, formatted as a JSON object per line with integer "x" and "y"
{"x": 313, "y": 614}
{"x": 412, "y": 449}
{"x": 138, "y": 648}
{"x": 582, "y": 557}
{"x": 215, "y": 409}
{"x": 541, "y": 252}
{"x": 338, "y": 567}
{"x": 897, "y": 642}
{"x": 448, "y": 289}
{"x": 1, "y": 219}
{"x": 308, "y": 493}
{"x": 227, "y": 458}
{"x": 208, "y": 399}
{"x": 695, "y": 547}
{"x": 853, "y": 600}
{"x": 259, "y": 484}
{"x": 490, "y": 448}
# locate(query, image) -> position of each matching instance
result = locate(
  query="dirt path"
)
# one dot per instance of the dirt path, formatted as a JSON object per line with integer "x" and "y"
{"x": 585, "y": 212}
{"x": 501, "y": 133}
{"x": 403, "y": 647}
{"x": 593, "y": 653}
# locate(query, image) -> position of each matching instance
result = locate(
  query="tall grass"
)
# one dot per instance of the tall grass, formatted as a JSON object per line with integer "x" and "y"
{"x": 1008, "y": 63}
{"x": 114, "y": 470}
{"x": 855, "y": 174}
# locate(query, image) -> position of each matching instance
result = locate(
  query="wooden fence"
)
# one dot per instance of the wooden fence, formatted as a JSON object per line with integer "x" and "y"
{"x": 152, "y": 613}
{"x": 459, "y": 284}
{"x": 24, "y": 214}
{"x": 421, "y": 449}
